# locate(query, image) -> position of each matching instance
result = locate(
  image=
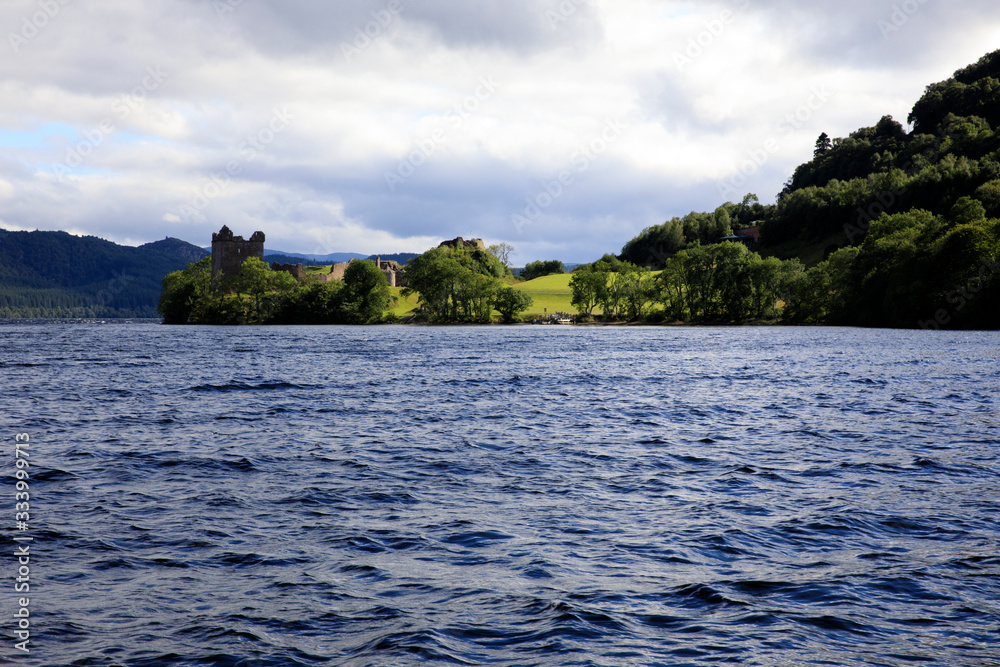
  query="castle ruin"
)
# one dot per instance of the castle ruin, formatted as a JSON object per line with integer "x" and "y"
{"x": 459, "y": 242}
{"x": 229, "y": 252}
{"x": 393, "y": 272}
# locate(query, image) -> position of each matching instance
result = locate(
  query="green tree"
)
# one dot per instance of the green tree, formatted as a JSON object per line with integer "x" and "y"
{"x": 259, "y": 291}
{"x": 510, "y": 302}
{"x": 967, "y": 210}
{"x": 182, "y": 291}
{"x": 823, "y": 145}
{"x": 538, "y": 269}
{"x": 312, "y": 303}
{"x": 589, "y": 283}
{"x": 475, "y": 295}
{"x": 365, "y": 294}
{"x": 454, "y": 284}
{"x": 637, "y": 291}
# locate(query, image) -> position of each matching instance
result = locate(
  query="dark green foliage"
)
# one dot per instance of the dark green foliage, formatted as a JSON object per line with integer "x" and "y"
{"x": 589, "y": 284}
{"x": 510, "y": 302}
{"x": 538, "y": 269}
{"x": 258, "y": 295}
{"x": 972, "y": 91}
{"x": 913, "y": 269}
{"x": 657, "y": 243}
{"x": 182, "y": 290}
{"x": 315, "y": 303}
{"x": 55, "y": 274}
{"x": 823, "y": 144}
{"x": 724, "y": 282}
{"x": 851, "y": 157}
{"x": 365, "y": 295}
{"x": 952, "y": 152}
{"x": 456, "y": 284}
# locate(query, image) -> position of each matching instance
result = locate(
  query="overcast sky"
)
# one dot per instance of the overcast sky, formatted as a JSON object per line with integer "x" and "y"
{"x": 562, "y": 127}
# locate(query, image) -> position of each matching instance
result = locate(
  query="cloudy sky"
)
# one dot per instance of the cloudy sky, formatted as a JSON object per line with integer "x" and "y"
{"x": 562, "y": 127}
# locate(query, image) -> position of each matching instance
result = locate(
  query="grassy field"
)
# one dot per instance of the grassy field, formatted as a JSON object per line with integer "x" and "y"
{"x": 551, "y": 292}
{"x": 405, "y": 307}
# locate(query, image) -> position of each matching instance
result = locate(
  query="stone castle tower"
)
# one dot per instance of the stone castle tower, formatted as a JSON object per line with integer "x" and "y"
{"x": 228, "y": 251}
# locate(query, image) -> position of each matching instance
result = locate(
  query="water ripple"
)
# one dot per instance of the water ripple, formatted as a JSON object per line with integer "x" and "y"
{"x": 509, "y": 496}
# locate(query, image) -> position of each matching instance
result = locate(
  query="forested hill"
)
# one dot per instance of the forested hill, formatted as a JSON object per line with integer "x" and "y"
{"x": 55, "y": 274}
{"x": 908, "y": 220}
{"x": 952, "y": 152}
{"x": 829, "y": 201}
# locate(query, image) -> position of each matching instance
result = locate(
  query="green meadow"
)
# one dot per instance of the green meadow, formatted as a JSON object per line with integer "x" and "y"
{"x": 551, "y": 294}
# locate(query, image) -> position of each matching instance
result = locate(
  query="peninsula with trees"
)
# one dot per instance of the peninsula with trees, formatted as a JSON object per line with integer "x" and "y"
{"x": 882, "y": 228}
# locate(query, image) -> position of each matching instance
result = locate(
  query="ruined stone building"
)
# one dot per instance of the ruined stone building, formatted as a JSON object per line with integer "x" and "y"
{"x": 229, "y": 252}
{"x": 392, "y": 271}
{"x": 300, "y": 273}
{"x": 471, "y": 244}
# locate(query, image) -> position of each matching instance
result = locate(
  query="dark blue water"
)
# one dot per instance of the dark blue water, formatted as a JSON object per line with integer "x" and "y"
{"x": 505, "y": 496}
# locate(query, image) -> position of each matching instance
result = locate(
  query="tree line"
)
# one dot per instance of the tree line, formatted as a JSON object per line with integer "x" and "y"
{"x": 259, "y": 295}
{"x": 722, "y": 282}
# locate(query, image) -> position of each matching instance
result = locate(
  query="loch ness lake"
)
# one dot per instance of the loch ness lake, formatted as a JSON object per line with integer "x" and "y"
{"x": 417, "y": 495}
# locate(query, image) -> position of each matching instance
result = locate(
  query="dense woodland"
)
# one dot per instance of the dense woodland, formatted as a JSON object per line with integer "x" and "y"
{"x": 55, "y": 274}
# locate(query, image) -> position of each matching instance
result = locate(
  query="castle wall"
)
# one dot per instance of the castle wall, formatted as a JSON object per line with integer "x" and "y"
{"x": 337, "y": 271}
{"x": 296, "y": 270}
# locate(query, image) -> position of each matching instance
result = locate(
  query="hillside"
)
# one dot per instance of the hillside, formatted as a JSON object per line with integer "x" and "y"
{"x": 830, "y": 201}
{"x": 55, "y": 274}
{"x": 897, "y": 228}
{"x": 177, "y": 248}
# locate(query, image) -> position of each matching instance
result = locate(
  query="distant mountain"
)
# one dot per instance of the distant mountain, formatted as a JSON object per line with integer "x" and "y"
{"x": 178, "y": 248}
{"x": 292, "y": 259}
{"x": 332, "y": 258}
{"x": 55, "y": 274}
{"x": 272, "y": 256}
